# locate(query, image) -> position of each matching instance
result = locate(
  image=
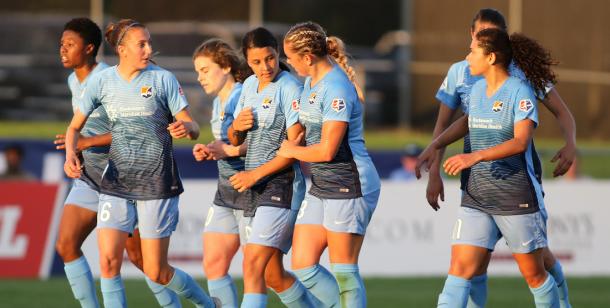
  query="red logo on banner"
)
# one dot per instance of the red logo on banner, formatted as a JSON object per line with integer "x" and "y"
{"x": 28, "y": 219}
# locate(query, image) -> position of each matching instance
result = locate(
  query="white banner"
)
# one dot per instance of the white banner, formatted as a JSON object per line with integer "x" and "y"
{"x": 406, "y": 237}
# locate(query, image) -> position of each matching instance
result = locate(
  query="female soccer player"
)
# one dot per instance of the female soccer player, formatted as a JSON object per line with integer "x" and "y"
{"x": 345, "y": 185}
{"x": 502, "y": 196}
{"x": 79, "y": 45}
{"x": 220, "y": 74}
{"x": 454, "y": 93}
{"x": 141, "y": 182}
{"x": 267, "y": 114}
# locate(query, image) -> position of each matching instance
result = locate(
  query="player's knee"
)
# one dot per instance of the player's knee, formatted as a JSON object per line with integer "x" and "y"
{"x": 67, "y": 249}
{"x": 302, "y": 261}
{"x": 463, "y": 268}
{"x": 253, "y": 267}
{"x": 135, "y": 256}
{"x": 158, "y": 274}
{"x": 215, "y": 265}
{"x": 110, "y": 266}
{"x": 534, "y": 277}
{"x": 273, "y": 280}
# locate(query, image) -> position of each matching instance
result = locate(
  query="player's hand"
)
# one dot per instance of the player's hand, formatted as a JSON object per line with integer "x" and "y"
{"x": 288, "y": 146}
{"x": 244, "y": 120}
{"x": 564, "y": 158}
{"x": 72, "y": 166}
{"x": 179, "y": 129}
{"x": 435, "y": 190}
{"x": 455, "y": 164}
{"x": 425, "y": 159}
{"x": 243, "y": 180}
{"x": 220, "y": 150}
{"x": 201, "y": 152}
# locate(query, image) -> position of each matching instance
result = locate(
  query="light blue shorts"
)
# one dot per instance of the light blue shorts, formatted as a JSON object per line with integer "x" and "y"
{"x": 522, "y": 233}
{"x": 339, "y": 215}
{"x": 221, "y": 219}
{"x": 82, "y": 195}
{"x": 271, "y": 227}
{"x": 155, "y": 218}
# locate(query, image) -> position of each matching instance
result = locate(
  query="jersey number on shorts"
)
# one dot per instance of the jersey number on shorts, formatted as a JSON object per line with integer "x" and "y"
{"x": 105, "y": 213}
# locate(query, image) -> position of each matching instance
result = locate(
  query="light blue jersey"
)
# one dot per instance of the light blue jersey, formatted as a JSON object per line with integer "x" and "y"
{"x": 351, "y": 172}
{"x": 275, "y": 110}
{"x": 506, "y": 186}
{"x": 141, "y": 164}
{"x": 94, "y": 159}
{"x": 222, "y": 118}
{"x": 455, "y": 92}
{"x": 455, "y": 89}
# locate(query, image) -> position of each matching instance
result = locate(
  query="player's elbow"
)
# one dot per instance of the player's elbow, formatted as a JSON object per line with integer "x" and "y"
{"x": 327, "y": 156}
{"x": 521, "y": 144}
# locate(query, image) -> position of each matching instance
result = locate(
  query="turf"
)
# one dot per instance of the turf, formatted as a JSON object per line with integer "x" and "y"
{"x": 381, "y": 292}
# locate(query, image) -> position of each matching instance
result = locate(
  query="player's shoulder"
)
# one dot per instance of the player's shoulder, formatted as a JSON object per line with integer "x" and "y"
{"x": 250, "y": 83}
{"x": 337, "y": 84}
{"x": 458, "y": 68}
{"x": 287, "y": 80}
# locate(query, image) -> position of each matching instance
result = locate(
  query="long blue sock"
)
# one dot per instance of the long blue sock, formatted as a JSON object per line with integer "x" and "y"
{"x": 455, "y": 292}
{"x": 546, "y": 295}
{"x": 478, "y": 292}
{"x": 321, "y": 283}
{"x": 113, "y": 292}
{"x": 254, "y": 300}
{"x": 81, "y": 281}
{"x": 351, "y": 286}
{"x": 562, "y": 285}
{"x": 185, "y": 286}
{"x": 224, "y": 289}
{"x": 297, "y": 296}
{"x": 165, "y": 297}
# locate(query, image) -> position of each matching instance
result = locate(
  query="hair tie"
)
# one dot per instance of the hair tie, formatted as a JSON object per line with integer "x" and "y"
{"x": 118, "y": 41}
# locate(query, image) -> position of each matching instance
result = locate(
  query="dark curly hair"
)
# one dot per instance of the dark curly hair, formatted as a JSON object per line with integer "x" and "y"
{"x": 528, "y": 54}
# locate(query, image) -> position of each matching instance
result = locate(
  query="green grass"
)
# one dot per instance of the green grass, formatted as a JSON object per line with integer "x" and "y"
{"x": 595, "y": 160}
{"x": 381, "y": 292}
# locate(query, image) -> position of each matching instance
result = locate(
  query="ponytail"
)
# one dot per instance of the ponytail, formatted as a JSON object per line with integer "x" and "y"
{"x": 534, "y": 61}
{"x": 309, "y": 37}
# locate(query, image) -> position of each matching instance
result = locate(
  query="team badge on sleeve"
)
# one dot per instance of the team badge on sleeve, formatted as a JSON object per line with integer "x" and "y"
{"x": 266, "y": 103}
{"x": 146, "y": 92}
{"x": 180, "y": 91}
{"x": 312, "y": 97}
{"x": 295, "y": 105}
{"x": 338, "y": 104}
{"x": 525, "y": 105}
{"x": 497, "y": 107}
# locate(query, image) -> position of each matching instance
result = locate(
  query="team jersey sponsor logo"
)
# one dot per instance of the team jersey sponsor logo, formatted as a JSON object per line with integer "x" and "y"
{"x": 295, "y": 105}
{"x": 312, "y": 98}
{"x": 497, "y": 107}
{"x": 146, "y": 92}
{"x": 266, "y": 103}
{"x": 338, "y": 104}
{"x": 525, "y": 105}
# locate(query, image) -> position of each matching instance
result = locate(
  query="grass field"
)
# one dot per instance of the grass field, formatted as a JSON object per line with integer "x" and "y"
{"x": 381, "y": 292}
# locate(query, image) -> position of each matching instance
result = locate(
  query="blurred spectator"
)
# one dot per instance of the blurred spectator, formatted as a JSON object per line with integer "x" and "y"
{"x": 13, "y": 154}
{"x": 408, "y": 160}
